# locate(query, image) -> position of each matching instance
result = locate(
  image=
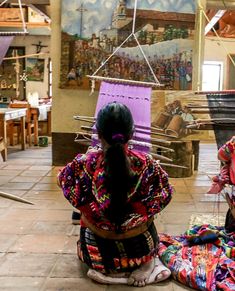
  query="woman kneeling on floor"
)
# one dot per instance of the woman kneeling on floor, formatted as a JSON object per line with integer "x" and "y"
{"x": 118, "y": 191}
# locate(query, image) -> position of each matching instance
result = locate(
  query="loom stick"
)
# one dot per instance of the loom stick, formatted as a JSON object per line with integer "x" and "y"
{"x": 210, "y": 107}
{"x": 89, "y": 128}
{"x": 208, "y": 111}
{"x": 15, "y": 198}
{"x": 160, "y": 157}
{"x": 212, "y": 93}
{"x": 125, "y": 81}
{"x": 131, "y": 142}
{"x": 91, "y": 119}
{"x": 173, "y": 166}
{"x": 226, "y": 119}
{"x": 25, "y": 56}
{"x": 210, "y": 99}
{"x": 154, "y": 155}
{"x": 156, "y": 140}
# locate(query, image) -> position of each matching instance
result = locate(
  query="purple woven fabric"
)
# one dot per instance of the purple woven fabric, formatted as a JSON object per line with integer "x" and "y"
{"x": 5, "y": 42}
{"x": 137, "y": 99}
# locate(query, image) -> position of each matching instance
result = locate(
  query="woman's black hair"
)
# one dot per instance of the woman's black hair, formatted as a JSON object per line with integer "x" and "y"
{"x": 115, "y": 125}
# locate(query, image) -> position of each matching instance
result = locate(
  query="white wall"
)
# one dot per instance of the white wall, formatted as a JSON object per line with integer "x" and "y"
{"x": 27, "y": 41}
{"x": 218, "y": 51}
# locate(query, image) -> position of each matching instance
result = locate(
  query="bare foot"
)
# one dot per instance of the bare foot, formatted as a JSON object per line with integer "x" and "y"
{"x": 139, "y": 277}
{"x": 159, "y": 273}
{"x": 104, "y": 279}
{"x": 118, "y": 275}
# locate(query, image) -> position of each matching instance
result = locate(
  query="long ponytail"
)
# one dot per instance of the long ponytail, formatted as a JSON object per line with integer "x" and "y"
{"x": 115, "y": 125}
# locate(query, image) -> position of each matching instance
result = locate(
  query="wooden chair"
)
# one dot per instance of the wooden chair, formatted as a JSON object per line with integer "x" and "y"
{"x": 29, "y": 124}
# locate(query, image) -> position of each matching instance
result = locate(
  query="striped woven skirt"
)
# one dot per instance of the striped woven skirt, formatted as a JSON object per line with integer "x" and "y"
{"x": 108, "y": 255}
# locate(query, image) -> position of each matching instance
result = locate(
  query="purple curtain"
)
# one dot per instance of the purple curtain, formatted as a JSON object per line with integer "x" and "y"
{"x": 5, "y": 42}
{"x": 137, "y": 99}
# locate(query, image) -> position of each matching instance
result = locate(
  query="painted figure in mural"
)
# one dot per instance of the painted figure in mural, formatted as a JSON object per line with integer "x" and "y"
{"x": 118, "y": 191}
{"x": 186, "y": 114}
{"x": 182, "y": 76}
{"x": 187, "y": 118}
{"x": 225, "y": 181}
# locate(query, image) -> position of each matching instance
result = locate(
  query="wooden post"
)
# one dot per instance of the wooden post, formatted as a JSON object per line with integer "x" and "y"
{"x": 183, "y": 156}
{"x": 198, "y": 52}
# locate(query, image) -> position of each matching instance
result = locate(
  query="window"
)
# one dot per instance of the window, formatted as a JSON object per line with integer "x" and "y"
{"x": 212, "y": 76}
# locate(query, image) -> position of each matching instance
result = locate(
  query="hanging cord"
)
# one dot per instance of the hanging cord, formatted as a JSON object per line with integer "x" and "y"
{"x": 22, "y": 18}
{"x": 1, "y": 4}
{"x": 157, "y": 83}
{"x": 225, "y": 6}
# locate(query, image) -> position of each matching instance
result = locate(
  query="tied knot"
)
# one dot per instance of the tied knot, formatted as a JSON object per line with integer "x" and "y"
{"x": 118, "y": 137}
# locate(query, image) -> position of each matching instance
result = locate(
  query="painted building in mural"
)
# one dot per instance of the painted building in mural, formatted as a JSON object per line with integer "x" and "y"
{"x": 166, "y": 38}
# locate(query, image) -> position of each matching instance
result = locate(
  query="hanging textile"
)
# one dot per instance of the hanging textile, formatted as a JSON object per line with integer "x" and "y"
{"x": 137, "y": 99}
{"x": 222, "y": 105}
{"x": 5, "y": 43}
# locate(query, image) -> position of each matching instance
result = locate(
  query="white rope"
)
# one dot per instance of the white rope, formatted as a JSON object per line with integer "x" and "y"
{"x": 103, "y": 63}
{"x": 24, "y": 56}
{"x": 134, "y": 17}
{"x": 23, "y": 22}
{"x": 3, "y": 3}
{"x": 151, "y": 69}
{"x": 22, "y": 17}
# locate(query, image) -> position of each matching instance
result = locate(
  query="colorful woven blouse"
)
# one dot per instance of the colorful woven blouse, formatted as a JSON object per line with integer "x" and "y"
{"x": 227, "y": 153}
{"x": 82, "y": 182}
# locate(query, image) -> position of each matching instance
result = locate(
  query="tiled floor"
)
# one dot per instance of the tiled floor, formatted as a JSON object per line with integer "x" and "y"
{"x": 38, "y": 243}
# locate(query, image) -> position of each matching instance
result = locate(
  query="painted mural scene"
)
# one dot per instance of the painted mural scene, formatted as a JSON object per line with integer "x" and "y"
{"x": 164, "y": 33}
{"x": 175, "y": 119}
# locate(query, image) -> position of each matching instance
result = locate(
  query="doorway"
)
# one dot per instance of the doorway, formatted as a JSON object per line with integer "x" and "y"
{"x": 212, "y": 76}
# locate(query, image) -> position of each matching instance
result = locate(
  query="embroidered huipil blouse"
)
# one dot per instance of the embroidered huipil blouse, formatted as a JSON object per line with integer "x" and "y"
{"x": 227, "y": 153}
{"x": 82, "y": 182}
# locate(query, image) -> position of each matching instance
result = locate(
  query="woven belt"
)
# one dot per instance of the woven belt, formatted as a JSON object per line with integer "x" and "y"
{"x": 108, "y": 234}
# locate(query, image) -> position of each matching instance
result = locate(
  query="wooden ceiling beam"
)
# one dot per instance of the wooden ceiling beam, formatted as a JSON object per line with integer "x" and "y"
{"x": 19, "y": 24}
{"x": 214, "y": 20}
{"x": 28, "y": 2}
{"x": 218, "y": 4}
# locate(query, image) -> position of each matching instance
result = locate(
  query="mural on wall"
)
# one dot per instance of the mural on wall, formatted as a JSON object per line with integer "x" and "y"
{"x": 177, "y": 114}
{"x": 35, "y": 69}
{"x": 92, "y": 29}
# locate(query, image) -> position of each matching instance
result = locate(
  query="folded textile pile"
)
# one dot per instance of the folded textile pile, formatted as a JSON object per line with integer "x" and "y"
{"x": 203, "y": 258}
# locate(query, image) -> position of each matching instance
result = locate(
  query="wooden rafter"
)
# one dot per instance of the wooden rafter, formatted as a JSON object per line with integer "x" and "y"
{"x": 214, "y": 20}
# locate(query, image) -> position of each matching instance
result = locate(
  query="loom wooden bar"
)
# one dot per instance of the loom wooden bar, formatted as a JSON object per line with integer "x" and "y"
{"x": 15, "y": 198}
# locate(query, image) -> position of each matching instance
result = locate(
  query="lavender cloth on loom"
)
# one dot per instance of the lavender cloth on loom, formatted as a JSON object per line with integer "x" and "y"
{"x": 137, "y": 99}
{"x": 5, "y": 42}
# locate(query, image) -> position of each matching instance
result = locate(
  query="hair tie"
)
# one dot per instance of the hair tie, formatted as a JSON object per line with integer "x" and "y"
{"x": 118, "y": 137}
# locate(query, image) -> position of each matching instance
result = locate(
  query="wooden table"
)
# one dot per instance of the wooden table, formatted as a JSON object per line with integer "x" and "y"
{"x": 7, "y": 114}
{"x": 35, "y": 112}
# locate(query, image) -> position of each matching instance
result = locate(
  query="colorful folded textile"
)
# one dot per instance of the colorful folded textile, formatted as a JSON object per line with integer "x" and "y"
{"x": 203, "y": 266}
